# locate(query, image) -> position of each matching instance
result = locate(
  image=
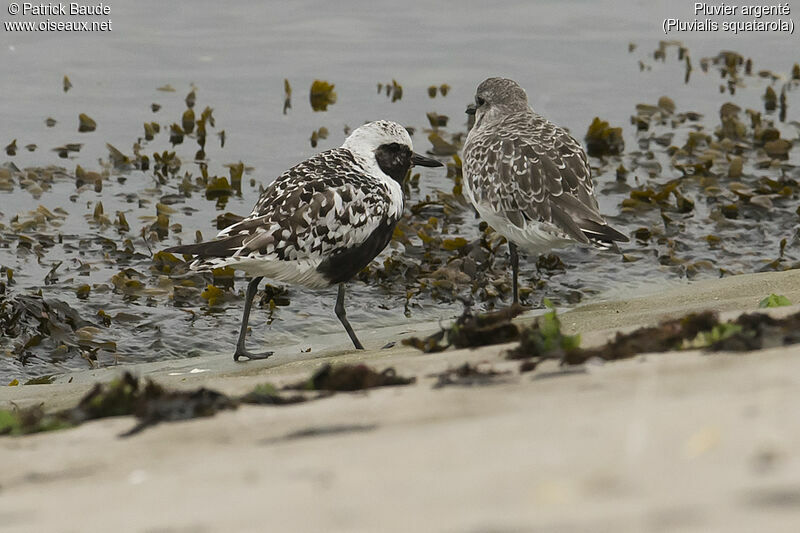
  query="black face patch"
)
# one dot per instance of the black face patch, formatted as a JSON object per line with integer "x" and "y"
{"x": 394, "y": 160}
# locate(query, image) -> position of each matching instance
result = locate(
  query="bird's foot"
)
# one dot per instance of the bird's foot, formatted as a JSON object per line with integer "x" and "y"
{"x": 250, "y": 355}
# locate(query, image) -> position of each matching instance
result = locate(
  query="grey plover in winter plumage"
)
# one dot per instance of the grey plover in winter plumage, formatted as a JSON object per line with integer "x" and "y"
{"x": 528, "y": 178}
{"x": 320, "y": 222}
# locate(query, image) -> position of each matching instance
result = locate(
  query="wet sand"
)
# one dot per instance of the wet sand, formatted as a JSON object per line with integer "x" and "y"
{"x": 679, "y": 441}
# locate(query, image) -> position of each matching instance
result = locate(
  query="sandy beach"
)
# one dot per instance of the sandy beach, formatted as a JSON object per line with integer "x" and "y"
{"x": 672, "y": 442}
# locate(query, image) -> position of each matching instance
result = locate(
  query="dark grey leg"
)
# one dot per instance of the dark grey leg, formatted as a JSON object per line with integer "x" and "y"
{"x": 252, "y": 287}
{"x": 342, "y": 315}
{"x": 512, "y": 248}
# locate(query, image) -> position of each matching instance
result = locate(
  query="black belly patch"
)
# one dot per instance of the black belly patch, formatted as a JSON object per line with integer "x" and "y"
{"x": 345, "y": 263}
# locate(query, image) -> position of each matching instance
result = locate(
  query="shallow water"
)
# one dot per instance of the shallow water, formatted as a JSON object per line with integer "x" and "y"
{"x": 572, "y": 57}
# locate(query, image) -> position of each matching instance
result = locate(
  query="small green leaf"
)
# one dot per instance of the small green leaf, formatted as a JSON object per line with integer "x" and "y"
{"x": 774, "y": 300}
{"x": 9, "y": 422}
{"x": 571, "y": 342}
{"x": 718, "y": 333}
{"x": 265, "y": 389}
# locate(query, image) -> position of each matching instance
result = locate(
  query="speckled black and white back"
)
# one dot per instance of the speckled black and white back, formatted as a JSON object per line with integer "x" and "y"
{"x": 321, "y": 221}
{"x": 528, "y": 178}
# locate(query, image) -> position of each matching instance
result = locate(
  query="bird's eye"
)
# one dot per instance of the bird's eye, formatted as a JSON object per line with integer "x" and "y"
{"x": 479, "y": 100}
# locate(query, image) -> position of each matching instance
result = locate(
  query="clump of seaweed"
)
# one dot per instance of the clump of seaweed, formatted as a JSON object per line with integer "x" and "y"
{"x": 321, "y": 95}
{"x": 268, "y": 394}
{"x": 86, "y": 123}
{"x": 603, "y": 140}
{"x": 544, "y": 338}
{"x": 701, "y": 330}
{"x": 350, "y": 378}
{"x": 151, "y": 403}
{"x": 471, "y": 331}
{"x": 287, "y": 96}
{"x": 316, "y": 135}
{"x": 442, "y": 89}
{"x": 37, "y": 326}
{"x": 468, "y": 375}
{"x": 667, "y": 336}
{"x": 393, "y": 90}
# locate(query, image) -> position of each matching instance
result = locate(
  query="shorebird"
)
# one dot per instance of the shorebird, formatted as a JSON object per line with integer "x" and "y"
{"x": 320, "y": 222}
{"x": 528, "y": 178}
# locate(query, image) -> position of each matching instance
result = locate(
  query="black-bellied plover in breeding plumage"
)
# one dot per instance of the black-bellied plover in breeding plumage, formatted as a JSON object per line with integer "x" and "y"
{"x": 528, "y": 178}
{"x": 320, "y": 222}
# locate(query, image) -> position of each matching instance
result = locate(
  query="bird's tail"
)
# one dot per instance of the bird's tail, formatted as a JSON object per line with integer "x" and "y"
{"x": 225, "y": 247}
{"x": 602, "y": 235}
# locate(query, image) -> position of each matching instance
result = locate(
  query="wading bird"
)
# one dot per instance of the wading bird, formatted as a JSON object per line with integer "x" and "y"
{"x": 320, "y": 222}
{"x": 528, "y": 178}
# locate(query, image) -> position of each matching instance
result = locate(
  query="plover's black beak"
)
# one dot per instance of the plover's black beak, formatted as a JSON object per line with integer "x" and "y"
{"x": 471, "y": 108}
{"x": 422, "y": 161}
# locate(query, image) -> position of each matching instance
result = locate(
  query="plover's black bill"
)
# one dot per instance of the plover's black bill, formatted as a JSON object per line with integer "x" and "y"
{"x": 470, "y": 110}
{"x": 422, "y": 161}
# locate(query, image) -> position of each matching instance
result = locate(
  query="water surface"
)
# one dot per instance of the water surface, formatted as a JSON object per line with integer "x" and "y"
{"x": 571, "y": 56}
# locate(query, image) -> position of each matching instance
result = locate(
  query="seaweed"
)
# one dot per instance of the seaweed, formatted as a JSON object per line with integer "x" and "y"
{"x": 274, "y": 296}
{"x": 441, "y": 146}
{"x": 468, "y": 375}
{"x": 770, "y": 99}
{"x": 187, "y": 121}
{"x": 86, "y": 123}
{"x": 176, "y": 134}
{"x": 41, "y": 380}
{"x": 544, "y": 338}
{"x": 287, "y": 96}
{"x": 602, "y": 140}
{"x": 667, "y": 336}
{"x": 158, "y": 405}
{"x": 321, "y": 95}
{"x": 316, "y": 135}
{"x": 436, "y": 120}
{"x": 149, "y": 403}
{"x": 38, "y": 326}
{"x": 30, "y": 420}
{"x": 394, "y": 90}
{"x": 481, "y": 329}
{"x": 191, "y": 98}
{"x": 693, "y": 331}
{"x": 268, "y": 394}
{"x": 350, "y": 378}
{"x": 430, "y": 344}
{"x": 471, "y": 331}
